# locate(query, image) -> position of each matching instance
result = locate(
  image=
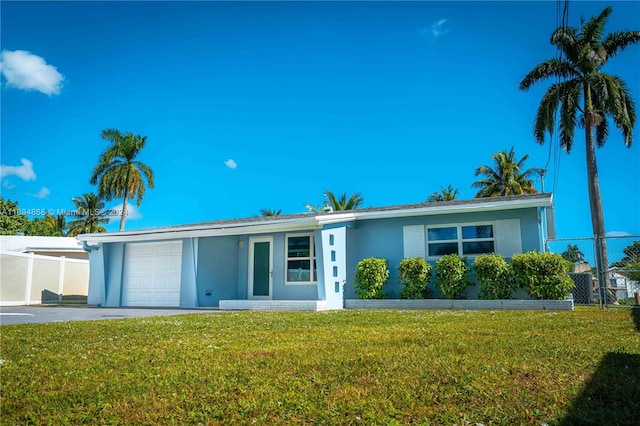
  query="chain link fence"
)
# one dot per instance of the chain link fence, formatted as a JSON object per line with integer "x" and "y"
{"x": 618, "y": 284}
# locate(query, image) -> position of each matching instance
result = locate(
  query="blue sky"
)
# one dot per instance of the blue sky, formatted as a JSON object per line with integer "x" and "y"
{"x": 251, "y": 106}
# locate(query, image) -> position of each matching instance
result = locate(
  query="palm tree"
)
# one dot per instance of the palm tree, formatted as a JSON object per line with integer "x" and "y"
{"x": 333, "y": 203}
{"x": 506, "y": 178}
{"x": 118, "y": 174}
{"x": 445, "y": 194}
{"x": 57, "y": 224}
{"x": 270, "y": 212}
{"x": 586, "y": 97}
{"x": 90, "y": 215}
{"x": 573, "y": 254}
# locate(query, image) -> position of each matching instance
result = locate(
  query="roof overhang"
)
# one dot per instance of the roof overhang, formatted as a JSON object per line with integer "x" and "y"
{"x": 54, "y": 249}
{"x": 211, "y": 230}
{"x": 309, "y": 222}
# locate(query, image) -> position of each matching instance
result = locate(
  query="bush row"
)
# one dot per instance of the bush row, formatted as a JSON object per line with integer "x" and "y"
{"x": 542, "y": 275}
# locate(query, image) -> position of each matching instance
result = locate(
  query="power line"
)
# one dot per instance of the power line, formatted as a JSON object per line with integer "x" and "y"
{"x": 562, "y": 21}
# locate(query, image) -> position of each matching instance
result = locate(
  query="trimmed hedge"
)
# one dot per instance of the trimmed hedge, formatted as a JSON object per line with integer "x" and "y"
{"x": 452, "y": 273}
{"x": 542, "y": 275}
{"x": 371, "y": 275}
{"x": 415, "y": 276}
{"x": 494, "y": 276}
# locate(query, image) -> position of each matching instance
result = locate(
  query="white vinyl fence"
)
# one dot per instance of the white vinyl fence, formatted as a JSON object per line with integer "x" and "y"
{"x": 27, "y": 279}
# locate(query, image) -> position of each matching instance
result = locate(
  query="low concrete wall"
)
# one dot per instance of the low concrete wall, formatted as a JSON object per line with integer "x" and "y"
{"x": 555, "y": 305}
{"x": 274, "y": 305}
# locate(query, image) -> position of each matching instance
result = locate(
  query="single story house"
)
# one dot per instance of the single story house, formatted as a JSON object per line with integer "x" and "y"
{"x": 301, "y": 261}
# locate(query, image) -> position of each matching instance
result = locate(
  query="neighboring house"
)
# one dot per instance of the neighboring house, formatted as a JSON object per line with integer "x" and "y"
{"x": 300, "y": 261}
{"x": 624, "y": 287}
{"x": 46, "y": 246}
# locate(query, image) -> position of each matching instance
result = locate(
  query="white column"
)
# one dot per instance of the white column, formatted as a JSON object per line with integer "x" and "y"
{"x": 61, "y": 279}
{"x": 27, "y": 298}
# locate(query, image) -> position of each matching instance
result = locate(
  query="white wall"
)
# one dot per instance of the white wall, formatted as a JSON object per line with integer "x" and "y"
{"x": 27, "y": 279}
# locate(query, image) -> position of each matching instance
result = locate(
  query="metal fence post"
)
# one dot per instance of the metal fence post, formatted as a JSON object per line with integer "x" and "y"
{"x": 598, "y": 261}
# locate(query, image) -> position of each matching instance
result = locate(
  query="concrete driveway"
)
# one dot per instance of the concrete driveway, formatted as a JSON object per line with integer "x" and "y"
{"x": 57, "y": 313}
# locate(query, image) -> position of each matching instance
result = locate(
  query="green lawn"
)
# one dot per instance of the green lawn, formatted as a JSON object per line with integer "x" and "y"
{"x": 347, "y": 367}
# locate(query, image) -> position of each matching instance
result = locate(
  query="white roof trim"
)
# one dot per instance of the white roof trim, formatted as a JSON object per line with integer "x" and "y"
{"x": 305, "y": 222}
{"x": 201, "y": 231}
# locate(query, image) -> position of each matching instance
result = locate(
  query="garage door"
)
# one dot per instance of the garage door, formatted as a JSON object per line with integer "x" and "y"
{"x": 152, "y": 274}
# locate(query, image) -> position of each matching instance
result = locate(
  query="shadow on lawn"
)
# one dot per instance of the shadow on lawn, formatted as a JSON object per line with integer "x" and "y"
{"x": 635, "y": 314}
{"x": 612, "y": 395}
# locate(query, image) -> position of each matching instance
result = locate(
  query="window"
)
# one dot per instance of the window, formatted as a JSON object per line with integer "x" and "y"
{"x": 465, "y": 240}
{"x": 300, "y": 259}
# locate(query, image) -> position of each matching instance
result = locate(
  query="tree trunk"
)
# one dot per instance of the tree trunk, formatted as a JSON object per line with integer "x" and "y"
{"x": 123, "y": 213}
{"x": 595, "y": 202}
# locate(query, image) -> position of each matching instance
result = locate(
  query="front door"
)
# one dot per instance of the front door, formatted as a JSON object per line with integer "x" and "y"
{"x": 260, "y": 267}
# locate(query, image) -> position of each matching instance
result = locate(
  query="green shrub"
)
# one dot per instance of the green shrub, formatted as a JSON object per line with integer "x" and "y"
{"x": 452, "y": 275}
{"x": 494, "y": 277}
{"x": 415, "y": 276}
{"x": 542, "y": 275}
{"x": 371, "y": 275}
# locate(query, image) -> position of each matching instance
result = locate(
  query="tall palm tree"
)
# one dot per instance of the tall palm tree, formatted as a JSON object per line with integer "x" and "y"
{"x": 57, "y": 224}
{"x": 586, "y": 97}
{"x": 506, "y": 178}
{"x": 270, "y": 212}
{"x": 445, "y": 194}
{"x": 90, "y": 215}
{"x": 118, "y": 173}
{"x": 333, "y": 203}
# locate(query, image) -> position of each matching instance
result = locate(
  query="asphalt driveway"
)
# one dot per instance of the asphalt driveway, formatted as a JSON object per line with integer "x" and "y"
{"x": 57, "y": 313}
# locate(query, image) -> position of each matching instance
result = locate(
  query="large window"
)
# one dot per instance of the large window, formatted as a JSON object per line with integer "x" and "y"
{"x": 300, "y": 259}
{"x": 465, "y": 240}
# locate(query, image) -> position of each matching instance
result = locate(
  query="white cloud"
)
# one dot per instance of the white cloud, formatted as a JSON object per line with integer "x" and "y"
{"x": 132, "y": 212}
{"x": 7, "y": 185}
{"x": 436, "y": 29}
{"x": 43, "y": 193}
{"x": 24, "y": 70}
{"x": 618, "y": 234}
{"x": 230, "y": 164}
{"x": 24, "y": 172}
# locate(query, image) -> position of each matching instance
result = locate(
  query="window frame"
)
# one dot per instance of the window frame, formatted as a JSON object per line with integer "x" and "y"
{"x": 312, "y": 259}
{"x": 460, "y": 240}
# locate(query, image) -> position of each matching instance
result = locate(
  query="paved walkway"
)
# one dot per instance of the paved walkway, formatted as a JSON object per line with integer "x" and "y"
{"x": 56, "y": 313}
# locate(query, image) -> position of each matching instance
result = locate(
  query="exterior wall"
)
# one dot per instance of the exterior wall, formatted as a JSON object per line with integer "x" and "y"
{"x": 114, "y": 267}
{"x": 384, "y": 238}
{"x": 282, "y": 291}
{"x": 217, "y": 269}
{"x": 188, "y": 269}
{"x": 97, "y": 291}
{"x": 223, "y": 263}
{"x": 242, "y": 284}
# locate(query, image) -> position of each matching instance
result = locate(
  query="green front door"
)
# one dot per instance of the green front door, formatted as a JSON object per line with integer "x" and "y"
{"x": 260, "y": 268}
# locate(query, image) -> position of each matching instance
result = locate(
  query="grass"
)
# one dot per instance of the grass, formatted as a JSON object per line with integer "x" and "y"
{"x": 347, "y": 367}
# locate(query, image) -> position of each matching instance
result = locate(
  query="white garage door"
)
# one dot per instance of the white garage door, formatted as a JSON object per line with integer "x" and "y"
{"x": 152, "y": 274}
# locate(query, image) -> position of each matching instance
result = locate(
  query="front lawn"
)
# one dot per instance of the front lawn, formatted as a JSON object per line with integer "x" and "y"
{"x": 347, "y": 367}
